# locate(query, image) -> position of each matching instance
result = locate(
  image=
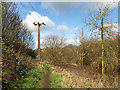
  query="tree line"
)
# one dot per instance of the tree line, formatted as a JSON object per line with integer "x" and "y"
{"x": 100, "y": 51}
{"x": 17, "y": 54}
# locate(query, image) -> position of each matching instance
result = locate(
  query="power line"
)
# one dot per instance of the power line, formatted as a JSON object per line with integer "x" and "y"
{"x": 25, "y": 15}
{"x": 35, "y": 11}
{"x": 30, "y": 19}
{"x": 37, "y": 14}
{"x": 14, "y": 18}
{"x": 27, "y": 10}
{"x": 32, "y": 16}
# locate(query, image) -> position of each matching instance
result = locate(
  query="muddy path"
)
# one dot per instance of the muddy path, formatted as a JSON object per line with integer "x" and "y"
{"x": 46, "y": 83}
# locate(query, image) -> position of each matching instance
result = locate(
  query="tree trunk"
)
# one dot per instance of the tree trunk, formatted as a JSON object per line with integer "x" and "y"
{"x": 102, "y": 58}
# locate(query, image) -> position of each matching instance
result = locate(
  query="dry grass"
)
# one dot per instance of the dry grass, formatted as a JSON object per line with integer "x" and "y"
{"x": 73, "y": 80}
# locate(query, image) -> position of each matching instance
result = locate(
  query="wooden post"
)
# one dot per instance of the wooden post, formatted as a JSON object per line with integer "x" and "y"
{"x": 39, "y": 24}
{"x": 102, "y": 58}
{"x": 39, "y": 42}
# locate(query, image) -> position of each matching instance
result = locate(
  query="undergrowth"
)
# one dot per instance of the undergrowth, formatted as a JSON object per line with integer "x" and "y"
{"x": 35, "y": 77}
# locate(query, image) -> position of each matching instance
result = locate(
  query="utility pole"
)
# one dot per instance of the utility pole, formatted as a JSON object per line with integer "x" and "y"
{"x": 102, "y": 58}
{"x": 39, "y": 24}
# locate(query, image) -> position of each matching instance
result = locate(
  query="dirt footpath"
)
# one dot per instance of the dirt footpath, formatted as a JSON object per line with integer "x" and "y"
{"x": 46, "y": 83}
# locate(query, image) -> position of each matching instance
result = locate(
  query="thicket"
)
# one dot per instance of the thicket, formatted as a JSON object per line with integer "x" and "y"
{"x": 17, "y": 55}
{"x": 101, "y": 52}
{"x": 91, "y": 54}
{"x": 52, "y": 51}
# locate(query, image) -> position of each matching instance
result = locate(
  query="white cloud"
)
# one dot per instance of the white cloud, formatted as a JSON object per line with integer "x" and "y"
{"x": 59, "y": 7}
{"x": 113, "y": 27}
{"x": 76, "y": 28}
{"x": 68, "y": 41}
{"x": 62, "y": 27}
{"x": 111, "y": 3}
{"x": 73, "y": 42}
{"x": 72, "y": 35}
{"x": 29, "y": 19}
{"x": 67, "y": 6}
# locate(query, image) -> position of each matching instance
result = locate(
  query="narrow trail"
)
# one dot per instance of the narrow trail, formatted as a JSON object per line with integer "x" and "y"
{"x": 46, "y": 83}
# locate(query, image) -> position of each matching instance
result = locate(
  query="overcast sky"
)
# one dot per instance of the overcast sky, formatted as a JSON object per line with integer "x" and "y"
{"x": 61, "y": 18}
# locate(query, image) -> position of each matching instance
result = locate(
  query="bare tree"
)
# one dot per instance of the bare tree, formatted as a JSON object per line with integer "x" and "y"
{"x": 53, "y": 47}
{"x": 100, "y": 24}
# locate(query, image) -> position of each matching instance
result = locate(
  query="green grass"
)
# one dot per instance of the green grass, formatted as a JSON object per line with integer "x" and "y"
{"x": 56, "y": 79}
{"x": 48, "y": 65}
{"x": 34, "y": 78}
{"x": 29, "y": 82}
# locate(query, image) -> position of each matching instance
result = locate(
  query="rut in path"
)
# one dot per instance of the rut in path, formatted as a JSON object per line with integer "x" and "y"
{"x": 46, "y": 83}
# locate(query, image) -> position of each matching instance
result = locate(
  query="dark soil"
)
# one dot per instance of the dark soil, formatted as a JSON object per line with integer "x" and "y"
{"x": 46, "y": 83}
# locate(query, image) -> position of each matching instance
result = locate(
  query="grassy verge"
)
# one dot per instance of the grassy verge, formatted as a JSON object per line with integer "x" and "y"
{"x": 34, "y": 78}
{"x": 48, "y": 65}
{"x": 56, "y": 79}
